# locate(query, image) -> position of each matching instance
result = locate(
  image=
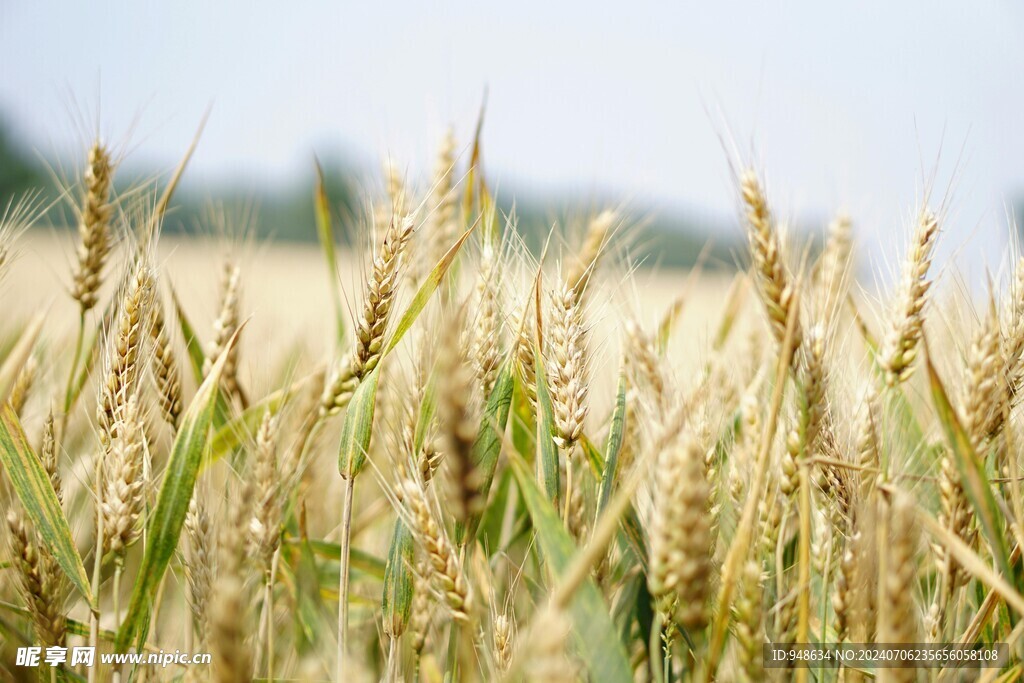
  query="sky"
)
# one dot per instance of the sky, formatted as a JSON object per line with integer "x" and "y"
{"x": 860, "y": 105}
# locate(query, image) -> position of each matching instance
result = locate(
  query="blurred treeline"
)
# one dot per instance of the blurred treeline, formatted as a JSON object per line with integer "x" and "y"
{"x": 668, "y": 240}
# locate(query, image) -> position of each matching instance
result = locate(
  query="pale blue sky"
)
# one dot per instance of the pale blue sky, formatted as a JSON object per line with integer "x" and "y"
{"x": 842, "y": 103}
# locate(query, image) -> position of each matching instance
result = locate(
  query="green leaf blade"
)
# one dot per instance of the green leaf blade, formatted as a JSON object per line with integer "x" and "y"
{"x": 396, "y": 602}
{"x": 971, "y": 469}
{"x": 325, "y": 233}
{"x": 32, "y": 486}
{"x": 487, "y": 446}
{"x": 357, "y": 429}
{"x": 547, "y": 450}
{"x": 613, "y": 447}
{"x": 596, "y": 635}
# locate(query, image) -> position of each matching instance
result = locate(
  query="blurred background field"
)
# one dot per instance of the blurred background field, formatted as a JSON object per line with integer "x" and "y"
{"x": 587, "y": 106}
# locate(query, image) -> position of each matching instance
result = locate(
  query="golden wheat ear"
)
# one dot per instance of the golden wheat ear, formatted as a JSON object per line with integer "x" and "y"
{"x": 680, "y": 536}
{"x": 94, "y": 215}
{"x": 900, "y": 347}
{"x": 770, "y": 271}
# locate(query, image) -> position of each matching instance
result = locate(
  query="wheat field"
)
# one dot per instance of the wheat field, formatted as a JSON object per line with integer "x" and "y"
{"x": 441, "y": 457}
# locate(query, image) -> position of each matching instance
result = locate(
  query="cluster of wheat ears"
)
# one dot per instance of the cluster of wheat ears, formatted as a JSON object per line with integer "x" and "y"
{"x": 446, "y": 497}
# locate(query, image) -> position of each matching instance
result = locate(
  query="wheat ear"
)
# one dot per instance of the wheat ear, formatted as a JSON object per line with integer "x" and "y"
{"x": 986, "y": 385}
{"x": 441, "y": 228}
{"x": 224, "y": 327}
{"x": 750, "y": 623}
{"x": 485, "y": 338}
{"x": 124, "y": 345}
{"x": 459, "y": 429}
{"x": 897, "y": 612}
{"x": 545, "y": 649}
{"x": 445, "y": 570}
{"x": 381, "y": 288}
{"x": 503, "y": 636}
{"x": 899, "y": 349}
{"x": 567, "y": 367}
{"x": 200, "y": 567}
{"x": 232, "y": 661}
{"x": 598, "y": 230}
{"x": 23, "y": 385}
{"x": 1014, "y": 336}
{"x": 165, "y": 370}
{"x": 835, "y": 262}
{"x": 770, "y": 270}
{"x": 93, "y": 227}
{"x": 268, "y": 483}
{"x": 122, "y": 494}
{"x": 680, "y": 536}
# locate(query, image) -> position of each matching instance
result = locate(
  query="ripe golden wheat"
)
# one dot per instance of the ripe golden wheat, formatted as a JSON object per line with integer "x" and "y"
{"x": 504, "y": 469}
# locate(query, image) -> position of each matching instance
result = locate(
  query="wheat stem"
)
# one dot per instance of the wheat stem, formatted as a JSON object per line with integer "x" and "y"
{"x": 97, "y": 566}
{"x": 346, "y": 534}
